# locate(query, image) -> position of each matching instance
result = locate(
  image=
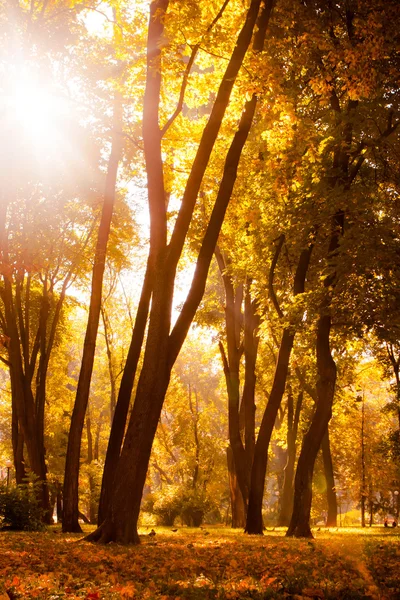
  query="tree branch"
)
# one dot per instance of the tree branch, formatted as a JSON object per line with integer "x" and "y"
{"x": 212, "y": 232}
{"x": 271, "y": 290}
{"x": 189, "y": 65}
{"x": 209, "y": 136}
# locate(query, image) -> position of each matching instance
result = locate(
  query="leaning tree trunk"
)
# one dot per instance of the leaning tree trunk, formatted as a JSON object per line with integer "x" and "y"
{"x": 124, "y": 396}
{"x": 326, "y": 368}
{"x": 300, "y": 521}
{"x": 331, "y": 496}
{"x": 162, "y": 348}
{"x": 71, "y": 477}
{"x": 161, "y": 352}
{"x": 254, "y": 523}
{"x": 152, "y": 136}
{"x": 342, "y": 177}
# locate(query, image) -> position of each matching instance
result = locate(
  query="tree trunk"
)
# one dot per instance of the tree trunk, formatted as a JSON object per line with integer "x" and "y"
{"x": 161, "y": 352}
{"x": 331, "y": 496}
{"x": 363, "y": 465}
{"x": 124, "y": 395}
{"x": 195, "y": 420}
{"x": 238, "y": 508}
{"x": 71, "y": 477}
{"x": 113, "y": 392}
{"x": 17, "y": 439}
{"x": 241, "y": 411}
{"x": 326, "y": 367}
{"x": 287, "y": 492}
{"x": 254, "y": 523}
{"x": 162, "y": 347}
{"x": 23, "y": 401}
{"x": 300, "y": 521}
{"x": 251, "y": 342}
{"x": 92, "y": 507}
{"x": 59, "y": 502}
{"x": 231, "y": 365}
{"x": 331, "y": 520}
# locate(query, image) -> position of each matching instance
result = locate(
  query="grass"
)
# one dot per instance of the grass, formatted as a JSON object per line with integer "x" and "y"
{"x": 211, "y": 563}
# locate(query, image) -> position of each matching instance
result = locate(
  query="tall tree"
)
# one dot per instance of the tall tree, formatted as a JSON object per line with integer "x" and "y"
{"x": 293, "y": 417}
{"x": 71, "y": 478}
{"x": 241, "y": 327}
{"x": 348, "y": 154}
{"x": 163, "y": 347}
{"x": 254, "y": 522}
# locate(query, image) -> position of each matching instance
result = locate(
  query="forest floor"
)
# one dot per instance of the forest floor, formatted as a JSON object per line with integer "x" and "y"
{"x": 206, "y": 563}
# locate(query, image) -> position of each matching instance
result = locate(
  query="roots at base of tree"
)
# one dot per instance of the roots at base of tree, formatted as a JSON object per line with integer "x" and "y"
{"x": 300, "y": 532}
{"x": 253, "y": 531}
{"x": 254, "y": 526}
{"x": 105, "y": 534}
{"x": 72, "y": 529}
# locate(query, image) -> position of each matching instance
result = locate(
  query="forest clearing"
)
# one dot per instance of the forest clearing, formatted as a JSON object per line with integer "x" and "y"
{"x": 203, "y": 564}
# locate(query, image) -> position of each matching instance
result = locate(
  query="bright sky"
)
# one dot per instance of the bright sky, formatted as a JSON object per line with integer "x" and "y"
{"x": 37, "y": 109}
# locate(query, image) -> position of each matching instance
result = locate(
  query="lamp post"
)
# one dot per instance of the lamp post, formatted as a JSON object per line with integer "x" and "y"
{"x": 396, "y": 503}
{"x": 8, "y": 466}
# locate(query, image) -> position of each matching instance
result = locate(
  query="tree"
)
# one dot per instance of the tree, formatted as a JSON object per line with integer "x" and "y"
{"x": 254, "y": 523}
{"x": 187, "y": 470}
{"x": 162, "y": 347}
{"x": 34, "y": 286}
{"x": 242, "y": 338}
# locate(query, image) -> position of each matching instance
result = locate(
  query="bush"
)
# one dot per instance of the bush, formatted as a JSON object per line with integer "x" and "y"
{"x": 167, "y": 505}
{"x": 19, "y": 508}
{"x": 194, "y": 505}
{"x": 172, "y": 501}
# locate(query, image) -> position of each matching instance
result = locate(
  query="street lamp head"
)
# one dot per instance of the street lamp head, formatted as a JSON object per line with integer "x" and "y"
{"x": 9, "y": 464}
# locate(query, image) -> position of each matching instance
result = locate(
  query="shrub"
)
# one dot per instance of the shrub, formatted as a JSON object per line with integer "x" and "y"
{"x": 167, "y": 505}
{"x": 194, "y": 505}
{"x": 19, "y": 508}
{"x": 172, "y": 501}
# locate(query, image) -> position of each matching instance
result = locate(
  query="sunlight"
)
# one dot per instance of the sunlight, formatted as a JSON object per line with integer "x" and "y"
{"x": 36, "y": 113}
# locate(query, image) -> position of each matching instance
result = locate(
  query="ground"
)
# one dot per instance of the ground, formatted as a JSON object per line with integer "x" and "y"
{"x": 204, "y": 564}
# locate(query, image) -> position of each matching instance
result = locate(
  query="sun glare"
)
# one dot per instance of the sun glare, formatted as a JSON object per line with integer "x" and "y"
{"x": 35, "y": 113}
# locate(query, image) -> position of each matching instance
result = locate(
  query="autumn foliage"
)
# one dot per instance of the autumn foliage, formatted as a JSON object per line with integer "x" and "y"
{"x": 209, "y": 564}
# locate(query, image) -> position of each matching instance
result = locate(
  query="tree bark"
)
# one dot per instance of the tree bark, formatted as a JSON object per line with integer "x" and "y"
{"x": 17, "y": 439}
{"x": 300, "y": 521}
{"x": 238, "y": 508}
{"x": 194, "y": 410}
{"x": 124, "y": 395}
{"x": 162, "y": 348}
{"x": 71, "y": 477}
{"x": 254, "y": 523}
{"x": 287, "y": 491}
{"x": 331, "y": 520}
{"x": 331, "y": 496}
{"x": 231, "y": 366}
{"x": 113, "y": 391}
